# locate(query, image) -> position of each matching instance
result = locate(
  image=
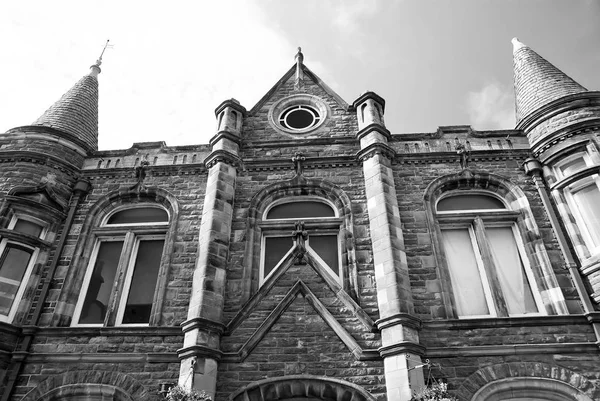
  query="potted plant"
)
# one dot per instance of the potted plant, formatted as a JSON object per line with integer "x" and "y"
{"x": 178, "y": 393}
{"x": 434, "y": 392}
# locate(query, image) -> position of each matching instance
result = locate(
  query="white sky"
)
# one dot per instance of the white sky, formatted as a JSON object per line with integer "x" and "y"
{"x": 436, "y": 63}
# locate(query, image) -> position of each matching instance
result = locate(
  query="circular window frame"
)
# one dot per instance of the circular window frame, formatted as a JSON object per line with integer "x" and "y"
{"x": 285, "y": 105}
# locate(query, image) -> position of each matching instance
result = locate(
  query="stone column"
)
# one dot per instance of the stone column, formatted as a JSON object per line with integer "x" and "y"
{"x": 203, "y": 328}
{"x": 399, "y": 327}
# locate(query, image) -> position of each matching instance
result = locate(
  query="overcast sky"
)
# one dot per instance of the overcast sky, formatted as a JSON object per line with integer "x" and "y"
{"x": 435, "y": 62}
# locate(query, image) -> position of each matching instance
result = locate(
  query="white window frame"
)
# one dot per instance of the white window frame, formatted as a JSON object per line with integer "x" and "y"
{"x": 131, "y": 234}
{"x": 32, "y": 261}
{"x": 467, "y": 220}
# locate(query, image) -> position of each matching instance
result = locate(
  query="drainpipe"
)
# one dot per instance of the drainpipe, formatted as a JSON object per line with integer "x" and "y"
{"x": 81, "y": 188}
{"x": 533, "y": 168}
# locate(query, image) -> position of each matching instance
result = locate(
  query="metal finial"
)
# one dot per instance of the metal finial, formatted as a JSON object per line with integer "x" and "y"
{"x": 96, "y": 67}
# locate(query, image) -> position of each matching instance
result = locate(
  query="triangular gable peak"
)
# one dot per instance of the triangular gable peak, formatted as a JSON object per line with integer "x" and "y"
{"x": 309, "y": 80}
{"x": 300, "y": 106}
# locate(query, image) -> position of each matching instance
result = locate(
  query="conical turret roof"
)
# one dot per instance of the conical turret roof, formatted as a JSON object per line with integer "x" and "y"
{"x": 76, "y": 112}
{"x": 537, "y": 82}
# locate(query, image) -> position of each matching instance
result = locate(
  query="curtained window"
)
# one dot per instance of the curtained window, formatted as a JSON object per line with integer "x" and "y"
{"x": 486, "y": 261}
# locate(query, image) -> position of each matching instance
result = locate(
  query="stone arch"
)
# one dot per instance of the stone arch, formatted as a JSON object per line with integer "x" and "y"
{"x": 90, "y": 383}
{"x": 302, "y": 387}
{"x": 529, "y": 388}
{"x": 517, "y": 201}
{"x": 104, "y": 205}
{"x": 298, "y": 186}
{"x": 497, "y": 380}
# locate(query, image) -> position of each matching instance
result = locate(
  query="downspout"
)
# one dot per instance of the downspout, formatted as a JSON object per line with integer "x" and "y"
{"x": 534, "y": 169}
{"x": 81, "y": 188}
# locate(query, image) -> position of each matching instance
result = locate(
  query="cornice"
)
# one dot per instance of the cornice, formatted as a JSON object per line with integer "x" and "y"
{"x": 199, "y": 350}
{"x": 403, "y": 319}
{"x": 373, "y": 127}
{"x": 234, "y": 104}
{"x": 560, "y": 105}
{"x": 222, "y": 156}
{"x": 369, "y": 95}
{"x": 156, "y": 171}
{"x": 39, "y": 158}
{"x": 497, "y": 322}
{"x": 224, "y": 135}
{"x": 201, "y": 323}
{"x": 402, "y": 347}
{"x": 590, "y": 126}
{"x": 53, "y": 134}
{"x": 376, "y": 149}
{"x": 515, "y": 349}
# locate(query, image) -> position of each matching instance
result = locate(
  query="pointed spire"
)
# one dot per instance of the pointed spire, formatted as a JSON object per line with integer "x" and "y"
{"x": 76, "y": 112}
{"x": 537, "y": 82}
{"x": 299, "y": 61}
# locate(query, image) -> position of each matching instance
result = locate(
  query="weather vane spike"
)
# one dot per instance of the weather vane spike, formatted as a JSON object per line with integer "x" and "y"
{"x": 103, "y": 50}
{"x": 95, "y": 69}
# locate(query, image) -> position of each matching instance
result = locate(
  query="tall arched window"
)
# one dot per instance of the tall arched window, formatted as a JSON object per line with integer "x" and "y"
{"x": 487, "y": 264}
{"x": 321, "y": 223}
{"x": 123, "y": 273}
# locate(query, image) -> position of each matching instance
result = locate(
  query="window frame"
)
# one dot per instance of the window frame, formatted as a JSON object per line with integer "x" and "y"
{"x": 316, "y": 226}
{"x": 477, "y": 220}
{"x": 131, "y": 234}
{"x": 23, "y": 242}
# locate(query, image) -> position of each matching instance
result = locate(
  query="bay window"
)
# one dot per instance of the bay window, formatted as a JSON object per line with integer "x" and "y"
{"x": 486, "y": 261}
{"x": 123, "y": 272}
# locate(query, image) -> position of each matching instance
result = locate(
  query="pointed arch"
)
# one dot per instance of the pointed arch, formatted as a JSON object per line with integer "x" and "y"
{"x": 527, "y": 230}
{"x": 299, "y": 186}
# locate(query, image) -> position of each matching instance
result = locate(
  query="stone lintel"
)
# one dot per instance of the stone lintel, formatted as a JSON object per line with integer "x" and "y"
{"x": 376, "y": 148}
{"x": 199, "y": 351}
{"x": 373, "y": 127}
{"x": 222, "y": 156}
{"x": 234, "y": 104}
{"x": 402, "y": 347}
{"x": 369, "y": 95}
{"x": 403, "y": 319}
{"x": 202, "y": 324}
{"x": 225, "y": 135}
{"x": 96, "y": 357}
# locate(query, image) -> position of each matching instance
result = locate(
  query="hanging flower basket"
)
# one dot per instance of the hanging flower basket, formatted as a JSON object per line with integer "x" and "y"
{"x": 178, "y": 393}
{"x": 434, "y": 392}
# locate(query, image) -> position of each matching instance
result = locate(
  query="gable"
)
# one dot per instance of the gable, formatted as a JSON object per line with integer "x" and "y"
{"x": 299, "y": 88}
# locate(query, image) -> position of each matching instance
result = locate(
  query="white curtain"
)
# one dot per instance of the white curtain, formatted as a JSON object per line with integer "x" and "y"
{"x": 587, "y": 200}
{"x": 464, "y": 273}
{"x": 510, "y": 271}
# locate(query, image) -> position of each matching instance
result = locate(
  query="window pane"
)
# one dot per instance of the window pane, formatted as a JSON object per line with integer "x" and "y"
{"x": 511, "y": 272}
{"x": 572, "y": 166}
{"x": 27, "y": 227}
{"x": 12, "y": 269}
{"x": 101, "y": 282}
{"x": 143, "y": 282}
{"x": 275, "y": 250}
{"x": 587, "y": 200}
{"x": 298, "y": 210}
{"x": 469, "y": 202}
{"x": 326, "y": 247}
{"x": 139, "y": 215}
{"x": 464, "y": 273}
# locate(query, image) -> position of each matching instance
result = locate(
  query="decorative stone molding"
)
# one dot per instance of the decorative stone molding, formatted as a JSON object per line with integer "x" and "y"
{"x": 222, "y": 156}
{"x": 376, "y": 149}
{"x": 371, "y": 128}
{"x": 301, "y": 386}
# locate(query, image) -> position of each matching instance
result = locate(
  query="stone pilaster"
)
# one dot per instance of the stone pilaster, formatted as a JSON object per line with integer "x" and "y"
{"x": 399, "y": 328}
{"x": 202, "y": 331}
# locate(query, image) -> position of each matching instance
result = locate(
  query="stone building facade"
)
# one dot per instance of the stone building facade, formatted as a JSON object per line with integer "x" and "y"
{"x": 306, "y": 252}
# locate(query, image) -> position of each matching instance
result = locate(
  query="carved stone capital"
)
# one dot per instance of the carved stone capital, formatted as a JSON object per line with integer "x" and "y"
{"x": 375, "y": 149}
{"x": 222, "y": 156}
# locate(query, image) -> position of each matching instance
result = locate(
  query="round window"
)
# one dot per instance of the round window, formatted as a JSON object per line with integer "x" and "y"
{"x": 299, "y": 118}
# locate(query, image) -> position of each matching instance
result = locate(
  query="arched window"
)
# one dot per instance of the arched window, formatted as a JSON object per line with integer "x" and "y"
{"x": 485, "y": 258}
{"x": 577, "y": 182}
{"x": 322, "y": 226}
{"x": 19, "y": 248}
{"x": 123, "y": 273}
